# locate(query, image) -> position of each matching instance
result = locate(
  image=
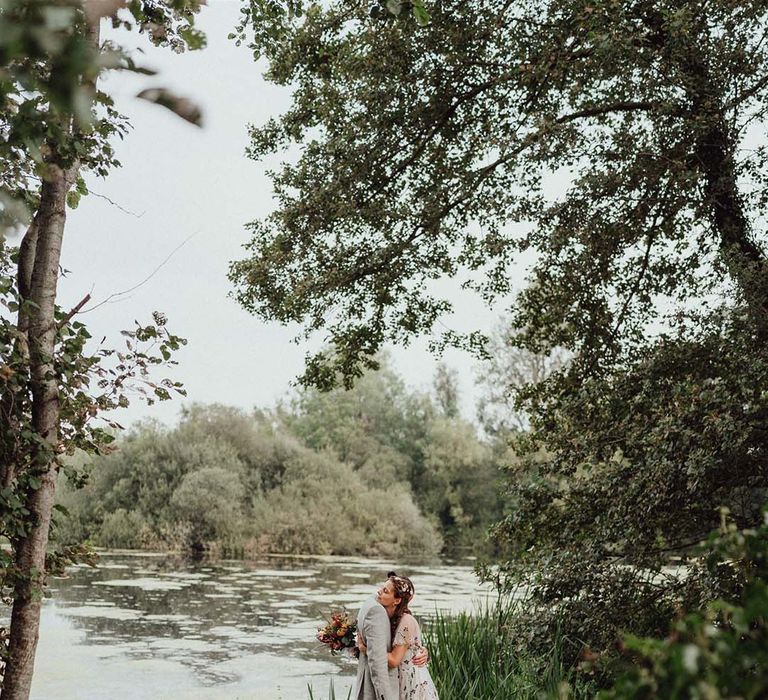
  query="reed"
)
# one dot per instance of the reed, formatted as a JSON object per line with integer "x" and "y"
{"x": 472, "y": 659}
{"x": 331, "y": 692}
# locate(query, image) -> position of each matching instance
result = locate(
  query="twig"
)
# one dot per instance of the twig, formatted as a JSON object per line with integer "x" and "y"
{"x": 121, "y": 208}
{"x": 145, "y": 280}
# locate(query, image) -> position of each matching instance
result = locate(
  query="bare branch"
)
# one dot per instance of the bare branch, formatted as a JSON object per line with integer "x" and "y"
{"x": 121, "y": 208}
{"x": 601, "y": 110}
{"x": 64, "y": 321}
{"x": 145, "y": 280}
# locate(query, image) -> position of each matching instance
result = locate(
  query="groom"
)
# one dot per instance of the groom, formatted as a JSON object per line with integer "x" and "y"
{"x": 375, "y": 680}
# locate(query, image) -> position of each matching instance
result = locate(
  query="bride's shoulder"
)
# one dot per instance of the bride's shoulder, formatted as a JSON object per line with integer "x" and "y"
{"x": 408, "y": 620}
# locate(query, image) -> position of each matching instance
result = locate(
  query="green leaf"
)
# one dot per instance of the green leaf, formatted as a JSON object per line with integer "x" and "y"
{"x": 420, "y": 13}
{"x": 73, "y": 199}
{"x": 395, "y": 7}
{"x": 181, "y": 106}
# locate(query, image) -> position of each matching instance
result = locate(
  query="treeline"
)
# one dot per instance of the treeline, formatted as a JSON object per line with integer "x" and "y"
{"x": 379, "y": 470}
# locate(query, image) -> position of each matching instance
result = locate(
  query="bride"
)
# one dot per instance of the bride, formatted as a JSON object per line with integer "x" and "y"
{"x": 414, "y": 680}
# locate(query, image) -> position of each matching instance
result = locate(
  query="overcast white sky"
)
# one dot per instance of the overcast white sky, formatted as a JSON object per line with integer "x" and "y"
{"x": 187, "y": 182}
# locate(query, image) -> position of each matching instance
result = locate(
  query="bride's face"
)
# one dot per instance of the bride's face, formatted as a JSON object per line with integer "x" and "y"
{"x": 386, "y": 595}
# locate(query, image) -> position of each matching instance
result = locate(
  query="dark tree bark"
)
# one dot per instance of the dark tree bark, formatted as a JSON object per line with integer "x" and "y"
{"x": 714, "y": 153}
{"x": 8, "y": 453}
{"x": 744, "y": 259}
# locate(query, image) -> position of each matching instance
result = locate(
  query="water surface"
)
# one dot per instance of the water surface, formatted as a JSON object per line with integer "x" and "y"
{"x": 149, "y": 626}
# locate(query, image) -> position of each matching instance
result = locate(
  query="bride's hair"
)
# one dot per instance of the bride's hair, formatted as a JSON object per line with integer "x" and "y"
{"x": 403, "y": 590}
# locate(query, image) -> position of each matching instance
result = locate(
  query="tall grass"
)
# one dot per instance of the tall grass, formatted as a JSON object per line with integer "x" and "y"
{"x": 331, "y": 692}
{"x": 472, "y": 659}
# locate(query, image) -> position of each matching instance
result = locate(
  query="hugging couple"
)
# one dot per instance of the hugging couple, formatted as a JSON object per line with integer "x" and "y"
{"x": 392, "y": 662}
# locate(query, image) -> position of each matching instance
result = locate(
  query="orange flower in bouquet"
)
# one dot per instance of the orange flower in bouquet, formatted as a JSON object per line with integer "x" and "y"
{"x": 340, "y": 633}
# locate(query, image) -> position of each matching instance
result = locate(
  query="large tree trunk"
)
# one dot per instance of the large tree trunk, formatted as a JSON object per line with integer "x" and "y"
{"x": 38, "y": 274}
{"x": 714, "y": 152}
{"x": 30, "y": 550}
{"x": 745, "y": 261}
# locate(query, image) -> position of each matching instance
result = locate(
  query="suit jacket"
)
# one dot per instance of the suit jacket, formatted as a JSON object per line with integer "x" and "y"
{"x": 375, "y": 680}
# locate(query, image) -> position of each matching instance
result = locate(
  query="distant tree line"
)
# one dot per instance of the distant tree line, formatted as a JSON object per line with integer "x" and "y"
{"x": 378, "y": 470}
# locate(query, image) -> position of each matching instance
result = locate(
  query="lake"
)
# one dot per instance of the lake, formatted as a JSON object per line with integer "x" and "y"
{"x": 150, "y": 626}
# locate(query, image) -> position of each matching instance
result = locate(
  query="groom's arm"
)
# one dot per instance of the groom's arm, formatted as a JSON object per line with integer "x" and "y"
{"x": 376, "y": 638}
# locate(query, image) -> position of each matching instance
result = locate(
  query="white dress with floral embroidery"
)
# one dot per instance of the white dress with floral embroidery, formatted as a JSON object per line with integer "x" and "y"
{"x": 415, "y": 681}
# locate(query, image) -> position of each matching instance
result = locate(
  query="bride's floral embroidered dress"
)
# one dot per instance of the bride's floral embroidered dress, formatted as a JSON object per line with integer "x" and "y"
{"x": 415, "y": 681}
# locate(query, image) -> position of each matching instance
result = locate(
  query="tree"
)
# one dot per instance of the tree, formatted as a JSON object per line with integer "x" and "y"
{"x": 396, "y": 438}
{"x": 424, "y": 152}
{"x": 230, "y": 483}
{"x": 378, "y": 421}
{"x": 506, "y": 371}
{"x": 459, "y": 482}
{"x": 446, "y": 387}
{"x": 54, "y": 124}
{"x": 324, "y": 506}
{"x": 210, "y": 500}
{"x": 719, "y": 651}
{"x": 623, "y": 476}
{"x": 420, "y": 147}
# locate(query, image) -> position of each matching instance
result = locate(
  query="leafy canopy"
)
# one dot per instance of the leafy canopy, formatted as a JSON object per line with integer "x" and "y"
{"x": 424, "y": 152}
{"x": 50, "y": 62}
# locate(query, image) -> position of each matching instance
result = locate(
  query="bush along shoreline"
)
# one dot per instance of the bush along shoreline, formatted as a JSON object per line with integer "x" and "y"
{"x": 374, "y": 471}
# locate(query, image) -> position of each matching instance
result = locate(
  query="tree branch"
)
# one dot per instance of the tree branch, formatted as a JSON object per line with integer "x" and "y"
{"x": 750, "y": 92}
{"x": 600, "y": 110}
{"x": 64, "y": 321}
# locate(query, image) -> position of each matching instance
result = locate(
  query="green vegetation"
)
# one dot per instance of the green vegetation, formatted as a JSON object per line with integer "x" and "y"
{"x": 473, "y": 658}
{"x": 716, "y": 651}
{"x": 331, "y": 692}
{"x": 377, "y": 470}
{"x": 647, "y": 265}
{"x": 57, "y": 124}
{"x": 424, "y": 149}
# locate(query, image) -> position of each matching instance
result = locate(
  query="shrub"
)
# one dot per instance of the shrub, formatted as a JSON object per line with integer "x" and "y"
{"x": 210, "y": 499}
{"x": 720, "y": 651}
{"x": 122, "y": 529}
{"x": 324, "y": 507}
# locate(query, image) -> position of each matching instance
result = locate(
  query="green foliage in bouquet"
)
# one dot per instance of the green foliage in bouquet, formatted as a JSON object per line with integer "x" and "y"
{"x": 720, "y": 651}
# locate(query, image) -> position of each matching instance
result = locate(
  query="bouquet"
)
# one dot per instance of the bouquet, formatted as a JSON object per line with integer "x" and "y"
{"x": 339, "y": 633}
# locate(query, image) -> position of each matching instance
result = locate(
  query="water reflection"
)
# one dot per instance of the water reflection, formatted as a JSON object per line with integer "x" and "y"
{"x": 149, "y": 626}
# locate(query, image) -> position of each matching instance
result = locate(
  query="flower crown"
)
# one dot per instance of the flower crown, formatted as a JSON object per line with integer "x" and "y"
{"x": 403, "y": 585}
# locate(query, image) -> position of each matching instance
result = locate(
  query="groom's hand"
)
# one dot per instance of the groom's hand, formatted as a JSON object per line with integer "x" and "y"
{"x": 421, "y": 658}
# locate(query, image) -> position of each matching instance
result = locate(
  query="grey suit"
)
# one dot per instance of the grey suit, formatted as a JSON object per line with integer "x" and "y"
{"x": 375, "y": 680}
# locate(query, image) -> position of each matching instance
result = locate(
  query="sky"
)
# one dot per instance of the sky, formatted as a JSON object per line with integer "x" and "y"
{"x": 167, "y": 224}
